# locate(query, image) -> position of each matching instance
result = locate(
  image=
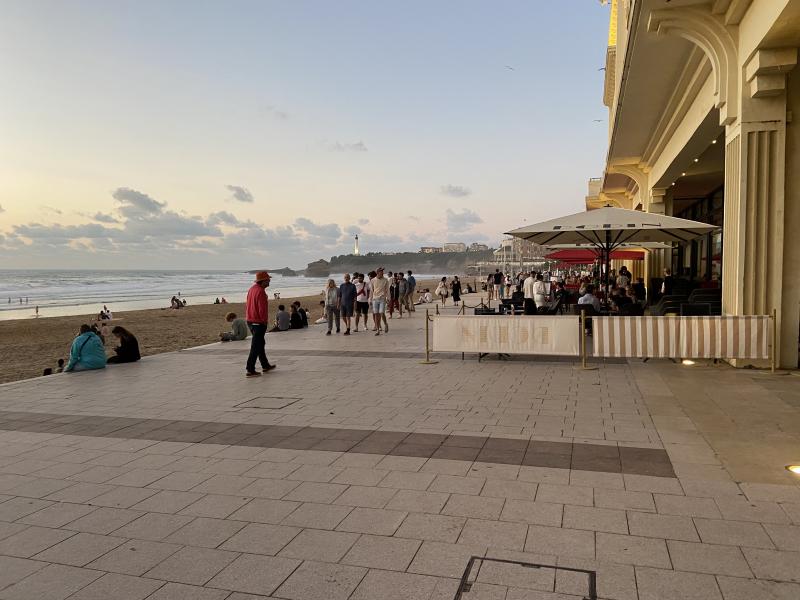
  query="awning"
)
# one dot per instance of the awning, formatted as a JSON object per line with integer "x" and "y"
{"x": 585, "y": 256}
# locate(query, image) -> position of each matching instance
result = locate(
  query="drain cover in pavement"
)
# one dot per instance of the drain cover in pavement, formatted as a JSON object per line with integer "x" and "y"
{"x": 529, "y": 580}
{"x": 268, "y": 402}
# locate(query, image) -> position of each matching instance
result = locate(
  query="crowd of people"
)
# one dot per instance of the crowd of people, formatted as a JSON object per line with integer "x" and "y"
{"x": 88, "y": 351}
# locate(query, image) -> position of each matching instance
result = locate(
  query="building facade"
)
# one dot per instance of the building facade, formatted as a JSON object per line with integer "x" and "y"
{"x": 454, "y": 247}
{"x": 476, "y": 247}
{"x": 430, "y": 249}
{"x": 703, "y": 99}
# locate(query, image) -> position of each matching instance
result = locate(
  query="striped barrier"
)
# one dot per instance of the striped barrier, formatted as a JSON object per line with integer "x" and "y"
{"x": 636, "y": 337}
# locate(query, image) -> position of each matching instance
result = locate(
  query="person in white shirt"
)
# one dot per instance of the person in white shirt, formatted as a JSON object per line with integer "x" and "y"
{"x": 527, "y": 289}
{"x": 539, "y": 291}
{"x": 589, "y": 298}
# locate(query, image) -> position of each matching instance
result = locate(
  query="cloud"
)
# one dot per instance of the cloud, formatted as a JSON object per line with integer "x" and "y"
{"x": 240, "y": 193}
{"x": 104, "y": 218}
{"x": 276, "y": 112}
{"x": 328, "y": 233}
{"x": 353, "y": 230}
{"x": 349, "y": 147}
{"x": 135, "y": 204}
{"x": 461, "y": 221}
{"x": 363, "y": 221}
{"x": 455, "y": 191}
{"x": 2, "y": 210}
{"x": 51, "y": 209}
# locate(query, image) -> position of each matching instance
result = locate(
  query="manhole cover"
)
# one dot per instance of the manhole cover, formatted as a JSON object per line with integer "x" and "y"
{"x": 528, "y": 580}
{"x": 269, "y": 402}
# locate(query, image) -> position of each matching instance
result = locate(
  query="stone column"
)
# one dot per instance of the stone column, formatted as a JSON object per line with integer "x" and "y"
{"x": 655, "y": 260}
{"x": 755, "y": 183}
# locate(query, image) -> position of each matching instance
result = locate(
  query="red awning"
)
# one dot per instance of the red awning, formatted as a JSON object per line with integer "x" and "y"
{"x": 585, "y": 256}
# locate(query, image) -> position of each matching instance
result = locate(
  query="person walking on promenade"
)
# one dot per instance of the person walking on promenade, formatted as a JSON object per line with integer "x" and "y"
{"x": 529, "y": 304}
{"x": 379, "y": 292}
{"x": 332, "y": 306}
{"x": 456, "y": 289}
{"x": 257, "y": 317}
{"x": 362, "y": 300}
{"x": 394, "y": 299}
{"x": 402, "y": 294}
{"x": 497, "y": 284}
{"x": 347, "y": 301}
{"x": 441, "y": 290}
{"x": 412, "y": 287}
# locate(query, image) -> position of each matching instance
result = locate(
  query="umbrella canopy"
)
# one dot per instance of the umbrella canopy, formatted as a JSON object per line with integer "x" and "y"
{"x": 581, "y": 256}
{"x": 608, "y": 228}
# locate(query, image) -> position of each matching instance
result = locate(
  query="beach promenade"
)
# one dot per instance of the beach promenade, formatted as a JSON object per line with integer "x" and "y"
{"x": 352, "y": 471}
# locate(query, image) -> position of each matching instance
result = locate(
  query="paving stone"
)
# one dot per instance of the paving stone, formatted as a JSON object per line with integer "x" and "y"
{"x": 708, "y": 558}
{"x": 180, "y": 591}
{"x": 544, "y": 475}
{"x": 457, "y": 485}
{"x": 407, "y": 480}
{"x": 224, "y": 485}
{"x": 317, "y": 516}
{"x": 657, "y": 584}
{"x": 118, "y": 587}
{"x": 181, "y": 481}
{"x": 274, "y": 489}
{"x": 438, "y": 528}
{"x": 205, "y": 532}
{"x": 57, "y": 515}
{"x": 632, "y": 550}
{"x": 9, "y": 529}
{"x": 686, "y": 506}
{"x": 319, "y": 545}
{"x": 32, "y": 540}
{"x": 596, "y": 479}
{"x": 710, "y": 489}
{"x": 733, "y": 533}
{"x": 369, "y": 497}
{"x": 80, "y": 492}
{"x": 444, "y": 560}
{"x": 323, "y": 493}
{"x": 359, "y": 476}
{"x": 317, "y": 473}
{"x": 510, "y": 536}
{"x": 735, "y": 588}
{"x": 13, "y": 569}
{"x": 771, "y": 492}
{"x": 535, "y": 513}
{"x": 321, "y": 581}
{"x": 562, "y": 542}
{"x": 595, "y": 519}
{"x": 372, "y": 520}
{"x": 254, "y": 574}
{"x": 785, "y": 537}
{"x": 54, "y": 582}
{"x": 476, "y": 507}
{"x": 379, "y": 552}
{"x": 500, "y": 488}
{"x": 741, "y": 509}
{"x": 777, "y": 565}
{"x": 13, "y": 509}
{"x": 389, "y": 585}
{"x": 257, "y": 538}
{"x": 624, "y": 499}
{"x": 193, "y": 566}
{"x": 168, "y": 501}
{"x": 418, "y": 501}
{"x": 122, "y": 497}
{"x": 662, "y": 526}
{"x": 80, "y": 549}
{"x": 104, "y": 520}
{"x": 134, "y": 558}
{"x": 565, "y": 494}
{"x": 654, "y": 485}
{"x": 215, "y": 506}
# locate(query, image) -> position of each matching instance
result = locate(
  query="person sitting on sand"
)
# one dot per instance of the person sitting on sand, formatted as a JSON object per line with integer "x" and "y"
{"x": 323, "y": 319}
{"x": 295, "y": 320}
{"x": 60, "y": 367}
{"x": 282, "y": 320}
{"x": 224, "y": 301}
{"x": 128, "y": 349}
{"x": 302, "y": 312}
{"x": 425, "y": 297}
{"x": 238, "y": 329}
{"x": 216, "y": 301}
{"x": 87, "y": 352}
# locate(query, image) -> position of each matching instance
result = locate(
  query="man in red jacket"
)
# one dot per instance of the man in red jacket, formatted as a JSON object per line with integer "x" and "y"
{"x": 257, "y": 316}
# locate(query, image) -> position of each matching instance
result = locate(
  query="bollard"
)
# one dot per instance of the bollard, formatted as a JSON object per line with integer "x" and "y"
{"x": 583, "y": 339}
{"x": 428, "y": 360}
{"x": 774, "y": 339}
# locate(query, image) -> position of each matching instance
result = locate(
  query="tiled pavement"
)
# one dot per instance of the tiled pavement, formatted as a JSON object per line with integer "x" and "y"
{"x": 176, "y": 478}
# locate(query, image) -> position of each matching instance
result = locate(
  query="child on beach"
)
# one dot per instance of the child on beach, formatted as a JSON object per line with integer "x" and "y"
{"x": 238, "y": 329}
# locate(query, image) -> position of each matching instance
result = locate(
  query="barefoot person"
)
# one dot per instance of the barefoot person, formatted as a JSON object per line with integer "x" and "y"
{"x": 257, "y": 315}
{"x": 379, "y": 292}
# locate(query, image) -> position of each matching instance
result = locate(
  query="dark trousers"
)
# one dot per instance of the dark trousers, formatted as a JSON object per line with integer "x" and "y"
{"x": 529, "y": 306}
{"x": 257, "y": 347}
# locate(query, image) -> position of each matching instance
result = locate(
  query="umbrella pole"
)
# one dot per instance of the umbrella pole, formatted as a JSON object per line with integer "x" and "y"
{"x": 608, "y": 268}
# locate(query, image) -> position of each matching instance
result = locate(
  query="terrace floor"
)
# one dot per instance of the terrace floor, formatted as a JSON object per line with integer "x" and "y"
{"x": 352, "y": 471}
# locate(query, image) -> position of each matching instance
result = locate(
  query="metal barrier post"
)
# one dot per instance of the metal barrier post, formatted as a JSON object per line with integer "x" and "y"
{"x": 428, "y": 360}
{"x": 437, "y": 308}
{"x": 774, "y": 339}
{"x": 583, "y": 339}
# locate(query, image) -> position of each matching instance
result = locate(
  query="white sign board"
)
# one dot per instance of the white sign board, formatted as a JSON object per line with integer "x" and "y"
{"x": 518, "y": 334}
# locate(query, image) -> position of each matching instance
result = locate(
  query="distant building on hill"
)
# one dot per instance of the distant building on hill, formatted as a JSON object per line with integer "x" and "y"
{"x": 454, "y": 247}
{"x": 430, "y": 250}
{"x": 476, "y": 247}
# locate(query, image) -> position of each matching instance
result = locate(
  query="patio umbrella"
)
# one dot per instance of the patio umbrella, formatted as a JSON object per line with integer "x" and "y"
{"x": 608, "y": 228}
{"x": 584, "y": 256}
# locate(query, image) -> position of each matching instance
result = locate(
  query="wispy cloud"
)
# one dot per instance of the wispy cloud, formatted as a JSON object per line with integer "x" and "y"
{"x": 2, "y": 210}
{"x": 363, "y": 221}
{"x": 348, "y": 147}
{"x": 455, "y": 191}
{"x": 104, "y": 218}
{"x": 241, "y": 194}
{"x": 136, "y": 204}
{"x": 459, "y": 221}
{"x": 276, "y": 112}
{"x": 51, "y": 209}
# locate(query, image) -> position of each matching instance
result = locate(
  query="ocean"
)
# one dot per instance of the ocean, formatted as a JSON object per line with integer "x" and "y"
{"x": 85, "y": 292}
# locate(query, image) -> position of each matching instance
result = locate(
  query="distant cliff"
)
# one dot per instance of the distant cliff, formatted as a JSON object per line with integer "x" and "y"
{"x": 441, "y": 262}
{"x": 285, "y": 271}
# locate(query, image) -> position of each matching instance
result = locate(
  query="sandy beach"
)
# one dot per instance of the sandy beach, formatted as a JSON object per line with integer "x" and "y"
{"x": 31, "y": 345}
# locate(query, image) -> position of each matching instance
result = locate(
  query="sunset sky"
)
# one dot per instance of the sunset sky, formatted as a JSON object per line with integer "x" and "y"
{"x": 198, "y": 134}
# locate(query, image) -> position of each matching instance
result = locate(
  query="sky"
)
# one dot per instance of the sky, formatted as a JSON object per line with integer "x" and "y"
{"x": 244, "y": 134}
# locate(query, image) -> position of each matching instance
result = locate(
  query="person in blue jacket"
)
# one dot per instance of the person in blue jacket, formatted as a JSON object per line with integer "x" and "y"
{"x": 87, "y": 352}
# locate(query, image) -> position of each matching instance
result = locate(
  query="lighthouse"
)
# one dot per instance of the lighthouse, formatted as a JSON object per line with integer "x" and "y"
{"x": 356, "y": 251}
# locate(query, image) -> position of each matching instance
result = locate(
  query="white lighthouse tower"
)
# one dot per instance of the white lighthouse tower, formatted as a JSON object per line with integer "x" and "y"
{"x": 356, "y": 251}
